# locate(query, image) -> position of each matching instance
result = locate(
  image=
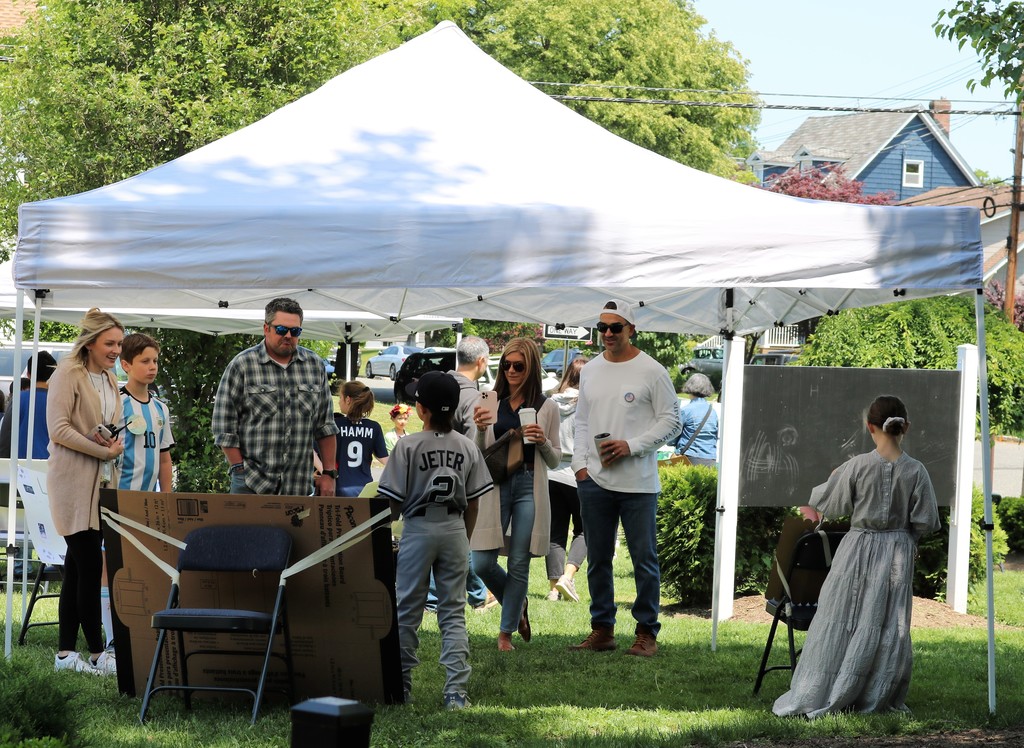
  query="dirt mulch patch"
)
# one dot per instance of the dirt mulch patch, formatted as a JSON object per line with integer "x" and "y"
{"x": 1007, "y": 738}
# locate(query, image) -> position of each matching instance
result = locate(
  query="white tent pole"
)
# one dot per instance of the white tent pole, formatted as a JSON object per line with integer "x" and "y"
{"x": 12, "y": 528}
{"x": 727, "y": 504}
{"x": 986, "y": 480}
{"x": 16, "y": 439}
{"x": 958, "y": 562}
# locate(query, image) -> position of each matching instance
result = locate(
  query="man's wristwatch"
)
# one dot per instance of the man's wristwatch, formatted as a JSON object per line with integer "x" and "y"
{"x": 332, "y": 473}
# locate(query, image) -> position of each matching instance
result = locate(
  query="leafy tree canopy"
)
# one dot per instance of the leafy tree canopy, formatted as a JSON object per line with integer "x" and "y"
{"x": 995, "y": 30}
{"x": 825, "y": 184}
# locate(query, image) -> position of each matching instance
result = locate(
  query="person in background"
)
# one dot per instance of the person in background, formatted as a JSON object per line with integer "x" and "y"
{"x": 359, "y": 438}
{"x": 518, "y": 511}
{"x": 83, "y": 400}
{"x": 565, "y": 501}
{"x": 698, "y": 439}
{"x": 273, "y": 402}
{"x": 399, "y": 418}
{"x": 858, "y": 654}
{"x": 627, "y": 402}
{"x": 40, "y": 436}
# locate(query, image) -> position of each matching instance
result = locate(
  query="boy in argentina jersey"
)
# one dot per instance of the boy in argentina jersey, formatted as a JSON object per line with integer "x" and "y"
{"x": 433, "y": 480}
{"x": 146, "y": 463}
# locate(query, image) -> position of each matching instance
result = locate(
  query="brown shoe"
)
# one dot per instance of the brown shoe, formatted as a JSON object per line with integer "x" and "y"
{"x": 601, "y": 639}
{"x": 524, "y": 622}
{"x": 645, "y": 645}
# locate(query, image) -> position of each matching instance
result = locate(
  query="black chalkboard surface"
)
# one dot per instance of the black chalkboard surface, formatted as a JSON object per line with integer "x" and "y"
{"x": 801, "y": 422}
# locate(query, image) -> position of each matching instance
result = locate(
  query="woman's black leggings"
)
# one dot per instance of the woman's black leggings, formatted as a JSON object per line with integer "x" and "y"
{"x": 80, "y": 592}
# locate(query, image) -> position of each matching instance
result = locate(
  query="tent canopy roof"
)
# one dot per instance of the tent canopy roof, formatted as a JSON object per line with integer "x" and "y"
{"x": 431, "y": 180}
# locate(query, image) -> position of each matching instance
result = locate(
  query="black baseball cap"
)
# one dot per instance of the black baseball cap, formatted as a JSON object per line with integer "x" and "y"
{"x": 47, "y": 364}
{"x": 436, "y": 390}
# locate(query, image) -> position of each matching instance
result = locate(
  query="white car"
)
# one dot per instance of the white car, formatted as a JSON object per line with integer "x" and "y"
{"x": 389, "y": 361}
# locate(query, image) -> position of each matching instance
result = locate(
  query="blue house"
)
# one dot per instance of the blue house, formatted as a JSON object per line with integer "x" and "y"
{"x": 905, "y": 153}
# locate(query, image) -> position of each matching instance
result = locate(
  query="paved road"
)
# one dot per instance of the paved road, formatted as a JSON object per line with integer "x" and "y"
{"x": 1007, "y": 467}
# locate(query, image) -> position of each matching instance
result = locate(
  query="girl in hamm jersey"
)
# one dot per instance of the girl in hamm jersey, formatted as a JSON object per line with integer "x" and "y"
{"x": 359, "y": 439}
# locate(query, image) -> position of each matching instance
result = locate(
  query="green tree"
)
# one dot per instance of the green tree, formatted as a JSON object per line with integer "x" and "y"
{"x": 641, "y": 43}
{"x": 924, "y": 334}
{"x": 995, "y": 30}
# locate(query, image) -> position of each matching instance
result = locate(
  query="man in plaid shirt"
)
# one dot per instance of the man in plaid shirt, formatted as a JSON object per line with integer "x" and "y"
{"x": 272, "y": 403}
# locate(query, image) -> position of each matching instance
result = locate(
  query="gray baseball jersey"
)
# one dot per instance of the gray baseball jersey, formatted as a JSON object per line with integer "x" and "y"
{"x": 431, "y": 468}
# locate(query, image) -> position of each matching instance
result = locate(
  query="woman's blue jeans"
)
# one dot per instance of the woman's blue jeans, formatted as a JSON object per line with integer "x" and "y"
{"x": 509, "y": 587}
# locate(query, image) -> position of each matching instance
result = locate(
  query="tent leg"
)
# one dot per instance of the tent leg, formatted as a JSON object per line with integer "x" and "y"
{"x": 986, "y": 476}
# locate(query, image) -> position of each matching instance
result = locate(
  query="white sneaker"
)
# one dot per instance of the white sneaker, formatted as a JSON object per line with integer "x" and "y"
{"x": 553, "y": 596}
{"x": 72, "y": 663}
{"x": 568, "y": 588}
{"x": 106, "y": 664}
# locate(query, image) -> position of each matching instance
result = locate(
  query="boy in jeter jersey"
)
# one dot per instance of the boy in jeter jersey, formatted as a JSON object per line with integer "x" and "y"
{"x": 146, "y": 463}
{"x": 434, "y": 479}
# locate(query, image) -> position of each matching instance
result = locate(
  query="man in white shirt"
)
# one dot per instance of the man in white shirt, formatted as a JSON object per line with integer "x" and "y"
{"x": 626, "y": 396}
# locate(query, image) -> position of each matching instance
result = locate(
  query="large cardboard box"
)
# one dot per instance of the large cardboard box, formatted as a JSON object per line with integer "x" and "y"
{"x": 341, "y": 611}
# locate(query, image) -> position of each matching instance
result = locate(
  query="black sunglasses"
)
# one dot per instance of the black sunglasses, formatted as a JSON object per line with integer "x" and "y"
{"x": 615, "y": 327}
{"x": 519, "y": 366}
{"x": 282, "y": 330}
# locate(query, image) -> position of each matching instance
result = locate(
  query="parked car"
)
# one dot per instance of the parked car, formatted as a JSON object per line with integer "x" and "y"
{"x": 707, "y": 361}
{"x": 773, "y": 359}
{"x": 555, "y": 361}
{"x": 389, "y": 361}
{"x": 436, "y": 359}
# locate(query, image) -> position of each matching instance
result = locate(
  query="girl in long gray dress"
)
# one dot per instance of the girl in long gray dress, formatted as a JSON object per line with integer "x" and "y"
{"x": 857, "y": 655}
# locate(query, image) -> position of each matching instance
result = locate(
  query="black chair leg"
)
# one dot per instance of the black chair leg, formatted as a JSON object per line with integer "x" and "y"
{"x": 767, "y": 651}
{"x": 152, "y": 675}
{"x": 183, "y": 660}
{"x": 792, "y": 648}
{"x": 25, "y": 626}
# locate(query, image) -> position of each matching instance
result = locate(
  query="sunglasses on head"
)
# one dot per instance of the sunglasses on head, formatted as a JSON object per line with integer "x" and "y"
{"x": 518, "y": 366}
{"x": 282, "y": 330}
{"x": 615, "y": 327}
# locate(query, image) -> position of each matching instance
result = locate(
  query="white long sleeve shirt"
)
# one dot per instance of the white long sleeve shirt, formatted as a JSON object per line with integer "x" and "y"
{"x": 632, "y": 400}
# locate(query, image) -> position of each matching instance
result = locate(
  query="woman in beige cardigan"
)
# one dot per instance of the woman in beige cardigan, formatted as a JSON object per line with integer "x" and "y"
{"x": 83, "y": 394}
{"x": 520, "y": 503}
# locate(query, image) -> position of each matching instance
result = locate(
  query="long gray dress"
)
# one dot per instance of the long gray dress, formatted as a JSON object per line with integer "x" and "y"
{"x": 857, "y": 654}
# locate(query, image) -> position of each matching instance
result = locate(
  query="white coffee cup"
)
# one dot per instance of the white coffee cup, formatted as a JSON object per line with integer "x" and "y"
{"x": 527, "y": 416}
{"x": 599, "y": 439}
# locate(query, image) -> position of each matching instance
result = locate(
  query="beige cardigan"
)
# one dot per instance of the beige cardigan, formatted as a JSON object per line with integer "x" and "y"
{"x": 73, "y": 410}
{"x": 487, "y": 534}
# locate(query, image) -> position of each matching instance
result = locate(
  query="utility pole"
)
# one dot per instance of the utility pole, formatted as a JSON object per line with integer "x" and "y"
{"x": 1013, "y": 239}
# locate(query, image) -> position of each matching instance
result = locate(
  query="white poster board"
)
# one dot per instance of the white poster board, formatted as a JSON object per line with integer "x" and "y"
{"x": 49, "y": 545}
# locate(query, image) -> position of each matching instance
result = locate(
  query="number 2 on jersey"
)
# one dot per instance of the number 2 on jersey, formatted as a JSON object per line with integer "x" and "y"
{"x": 443, "y": 489}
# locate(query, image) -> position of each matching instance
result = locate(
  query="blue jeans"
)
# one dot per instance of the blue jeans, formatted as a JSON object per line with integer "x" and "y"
{"x": 476, "y": 590}
{"x": 509, "y": 587}
{"x": 603, "y": 510}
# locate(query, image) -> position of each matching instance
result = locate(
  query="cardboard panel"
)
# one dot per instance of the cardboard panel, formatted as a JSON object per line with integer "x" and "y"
{"x": 341, "y": 612}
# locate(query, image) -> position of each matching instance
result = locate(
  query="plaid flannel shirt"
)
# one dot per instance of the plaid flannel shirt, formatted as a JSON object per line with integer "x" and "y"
{"x": 274, "y": 414}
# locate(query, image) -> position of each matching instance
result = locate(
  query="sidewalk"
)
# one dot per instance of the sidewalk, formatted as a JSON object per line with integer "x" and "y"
{"x": 1007, "y": 467}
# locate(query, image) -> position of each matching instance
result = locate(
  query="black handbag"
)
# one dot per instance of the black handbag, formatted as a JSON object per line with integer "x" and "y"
{"x": 505, "y": 456}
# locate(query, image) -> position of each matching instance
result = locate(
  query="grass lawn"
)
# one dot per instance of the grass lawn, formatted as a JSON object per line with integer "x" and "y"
{"x": 543, "y": 695}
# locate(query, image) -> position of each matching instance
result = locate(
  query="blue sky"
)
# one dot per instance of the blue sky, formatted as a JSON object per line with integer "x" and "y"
{"x": 855, "y": 51}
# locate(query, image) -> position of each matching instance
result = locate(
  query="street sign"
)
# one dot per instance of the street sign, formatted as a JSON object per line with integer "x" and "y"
{"x": 566, "y": 332}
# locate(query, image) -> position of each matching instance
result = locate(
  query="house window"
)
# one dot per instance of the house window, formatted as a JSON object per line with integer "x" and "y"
{"x": 913, "y": 174}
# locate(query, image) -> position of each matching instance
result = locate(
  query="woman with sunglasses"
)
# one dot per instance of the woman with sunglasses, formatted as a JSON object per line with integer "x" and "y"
{"x": 517, "y": 510}
{"x": 83, "y": 399}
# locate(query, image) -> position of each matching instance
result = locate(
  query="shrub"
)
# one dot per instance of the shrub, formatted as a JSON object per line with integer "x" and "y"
{"x": 686, "y": 536}
{"x": 35, "y": 704}
{"x": 930, "y": 572}
{"x": 1010, "y": 517}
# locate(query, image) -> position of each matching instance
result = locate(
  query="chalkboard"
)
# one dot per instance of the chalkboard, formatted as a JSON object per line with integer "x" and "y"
{"x": 801, "y": 422}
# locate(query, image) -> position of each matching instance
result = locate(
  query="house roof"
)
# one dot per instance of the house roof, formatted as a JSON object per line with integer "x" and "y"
{"x": 856, "y": 139}
{"x": 14, "y": 12}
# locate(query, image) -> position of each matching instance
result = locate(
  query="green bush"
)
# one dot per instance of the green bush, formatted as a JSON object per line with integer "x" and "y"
{"x": 1010, "y": 517}
{"x": 933, "y": 552}
{"x": 686, "y": 536}
{"x": 36, "y": 706}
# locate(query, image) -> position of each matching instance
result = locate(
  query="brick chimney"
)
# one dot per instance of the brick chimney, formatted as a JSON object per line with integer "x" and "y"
{"x": 940, "y": 113}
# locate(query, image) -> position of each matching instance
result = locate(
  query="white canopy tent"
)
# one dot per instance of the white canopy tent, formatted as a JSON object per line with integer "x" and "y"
{"x": 431, "y": 180}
